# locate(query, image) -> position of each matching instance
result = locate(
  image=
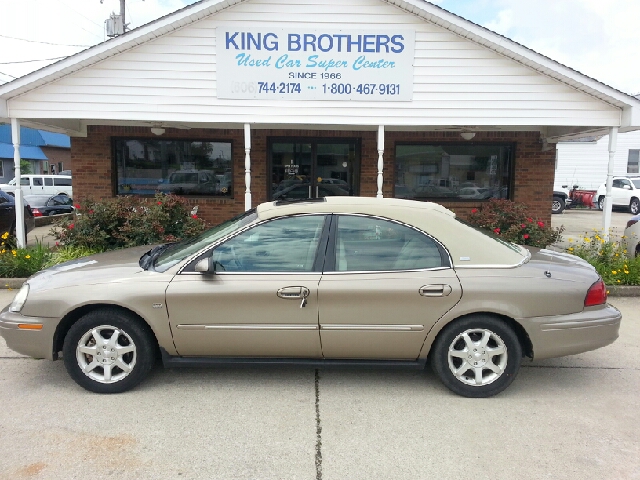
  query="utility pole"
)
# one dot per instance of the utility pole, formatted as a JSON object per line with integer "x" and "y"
{"x": 124, "y": 24}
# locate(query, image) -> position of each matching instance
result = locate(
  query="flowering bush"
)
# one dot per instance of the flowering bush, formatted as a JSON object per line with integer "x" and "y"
{"x": 511, "y": 222}
{"x": 128, "y": 221}
{"x": 609, "y": 258}
{"x": 20, "y": 262}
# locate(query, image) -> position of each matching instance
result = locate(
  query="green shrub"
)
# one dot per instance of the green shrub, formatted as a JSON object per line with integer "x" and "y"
{"x": 66, "y": 253}
{"x": 511, "y": 222}
{"x": 21, "y": 262}
{"x": 128, "y": 221}
{"x": 609, "y": 258}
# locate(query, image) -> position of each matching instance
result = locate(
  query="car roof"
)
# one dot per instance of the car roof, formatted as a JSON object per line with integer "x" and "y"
{"x": 468, "y": 246}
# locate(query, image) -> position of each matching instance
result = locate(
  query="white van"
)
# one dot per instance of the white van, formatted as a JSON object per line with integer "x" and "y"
{"x": 34, "y": 184}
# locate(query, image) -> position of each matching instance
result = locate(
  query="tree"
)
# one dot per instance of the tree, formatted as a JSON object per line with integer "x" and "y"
{"x": 25, "y": 167}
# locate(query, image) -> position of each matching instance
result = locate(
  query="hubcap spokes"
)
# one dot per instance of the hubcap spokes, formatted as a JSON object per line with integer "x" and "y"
{"x": 106, "y": 354}
{"x": 477, "y": 357}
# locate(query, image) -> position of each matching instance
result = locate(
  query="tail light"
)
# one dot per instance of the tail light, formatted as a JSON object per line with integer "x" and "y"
{"x": 36, "y": 212}
{"x": 597, "y": 294}
{"x": 633, "y": 221}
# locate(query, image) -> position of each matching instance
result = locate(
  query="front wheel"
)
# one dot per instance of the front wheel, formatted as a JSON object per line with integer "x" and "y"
{"x": 558, "y": 205}
{"x": 634, "y": 206}
{"x": 108, "y": 351}
{"x": 601, "y": 202}
{"x": 477, "y": 356}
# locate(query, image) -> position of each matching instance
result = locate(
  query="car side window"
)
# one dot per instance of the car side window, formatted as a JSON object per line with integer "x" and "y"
{"x": 48, "y": 182}
{"x": 37, "y": 182}
{"x": 373, "y": 244}
{"x": 282, "y": 245}
{"x": 24, "y": 181}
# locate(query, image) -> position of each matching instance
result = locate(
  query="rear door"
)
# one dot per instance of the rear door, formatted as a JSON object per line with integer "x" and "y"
{"x": 384, "y": 287}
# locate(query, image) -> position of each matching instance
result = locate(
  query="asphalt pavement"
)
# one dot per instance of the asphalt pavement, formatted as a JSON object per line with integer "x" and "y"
{"x": 570, "y": 418}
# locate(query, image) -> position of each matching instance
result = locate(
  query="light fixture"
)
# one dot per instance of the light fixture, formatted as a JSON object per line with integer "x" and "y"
{"x": 157, "y": 130}
{"x": 467, "y": 135}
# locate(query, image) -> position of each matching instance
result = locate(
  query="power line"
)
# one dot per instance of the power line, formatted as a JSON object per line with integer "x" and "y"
{"x": 7, "y": 75}
{"x": 29, "y": 61}
{"x": 46, "y": 43}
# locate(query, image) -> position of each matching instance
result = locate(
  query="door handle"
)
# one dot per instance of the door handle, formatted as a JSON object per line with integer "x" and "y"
{"x": 293, "y": 293}
{"x": 435, "y": 290}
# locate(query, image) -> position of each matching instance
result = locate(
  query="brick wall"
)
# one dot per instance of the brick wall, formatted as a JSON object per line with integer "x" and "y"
{"x": 93, "y": 175}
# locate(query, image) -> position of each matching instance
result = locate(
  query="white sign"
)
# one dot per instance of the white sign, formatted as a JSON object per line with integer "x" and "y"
{"x": 371, "y": 65}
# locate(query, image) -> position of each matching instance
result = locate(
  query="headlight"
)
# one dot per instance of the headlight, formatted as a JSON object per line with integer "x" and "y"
{"x": 19, "y": 299}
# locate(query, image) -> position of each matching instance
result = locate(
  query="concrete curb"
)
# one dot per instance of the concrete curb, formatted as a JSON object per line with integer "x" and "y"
{"x": 614, "y": 290}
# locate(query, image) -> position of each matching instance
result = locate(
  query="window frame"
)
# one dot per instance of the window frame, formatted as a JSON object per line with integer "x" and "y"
{"x": 114, "y": 163}
{"x": 636, "y": 152}
{"x": 512, "y": 173}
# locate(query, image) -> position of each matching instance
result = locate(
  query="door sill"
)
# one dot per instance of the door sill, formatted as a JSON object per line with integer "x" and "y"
{"x": 170, "y": 361}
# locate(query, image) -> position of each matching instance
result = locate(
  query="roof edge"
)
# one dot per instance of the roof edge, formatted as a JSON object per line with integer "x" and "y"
{"x": 504, "y": 46}
{"x": 101, "y": 51}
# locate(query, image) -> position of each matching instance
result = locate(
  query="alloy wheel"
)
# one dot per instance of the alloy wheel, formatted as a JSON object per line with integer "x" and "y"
{"x": 106, "y": 354}
{"x": 477, "y": 357}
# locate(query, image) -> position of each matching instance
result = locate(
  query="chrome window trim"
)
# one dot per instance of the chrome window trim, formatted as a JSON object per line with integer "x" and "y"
{"x": 496, "y": 267}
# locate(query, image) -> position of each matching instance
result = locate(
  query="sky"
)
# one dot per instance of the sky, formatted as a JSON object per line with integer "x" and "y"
{"x": 598, "y": 38}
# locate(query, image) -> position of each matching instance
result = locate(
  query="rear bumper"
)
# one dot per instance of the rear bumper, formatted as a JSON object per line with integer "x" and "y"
{"x": 560, "y": 335}
{"x": 34, "y": 343}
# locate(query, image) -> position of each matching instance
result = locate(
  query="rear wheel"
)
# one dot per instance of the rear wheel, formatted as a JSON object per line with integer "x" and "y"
{"x": 558, "y": 205}
{"x": 601, "y": 202}
{"x": 477, "y": 356}
{"x": 108, "y": 351}
{"x": 634, "y": 206}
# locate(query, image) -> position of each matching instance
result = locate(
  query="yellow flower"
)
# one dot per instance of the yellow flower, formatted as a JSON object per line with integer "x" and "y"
{"x": 570, "y": 240}
{"x": 5, "y": 235}
{"x": 27, "y": 256}
{"x": 618, "y": 281}
{"x": 624, "y": 251}
{"x": 571, "y": 249}
{"x": 587, "y": 239}
{"x": 14, "y": 252}
{"x": 617, "y": 254}
{"x": 626, "y": 272}
{"x": 614, "y": 272}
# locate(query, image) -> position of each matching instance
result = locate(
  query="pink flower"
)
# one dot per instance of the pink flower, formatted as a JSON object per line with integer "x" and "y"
{"x": 71, "y": 226}
{"x": 77, "y": 206}
{"x": 523, "y": 226}
{"x": 159, "y": 203}
{"x": 530, "y": 220}
{"x": 194, "y": 216}
{"x": 541, "y": 224}
{"x": 496, "y": 230}
{"x": 474, "y": 210}
{"x": 526, "y": 235}
{"x": 90, "y": 212}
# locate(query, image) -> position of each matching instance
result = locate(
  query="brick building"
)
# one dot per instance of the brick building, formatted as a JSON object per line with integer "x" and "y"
{"x": 238, "y": 102}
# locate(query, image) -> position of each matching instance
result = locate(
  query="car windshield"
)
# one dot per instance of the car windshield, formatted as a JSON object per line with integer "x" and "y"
{"x": 179, "y": 251}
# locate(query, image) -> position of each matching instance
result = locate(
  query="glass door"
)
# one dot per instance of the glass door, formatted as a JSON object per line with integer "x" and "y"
{"x": 313, "y": 169}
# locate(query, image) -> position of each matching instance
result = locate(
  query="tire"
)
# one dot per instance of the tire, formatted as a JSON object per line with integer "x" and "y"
{"x": 558, "y": 205}
{"x": 634, "y": 206}
{"x": 601, "y": 202}
{"x": 451, "y": 352}
{"x": 133, "y": 350}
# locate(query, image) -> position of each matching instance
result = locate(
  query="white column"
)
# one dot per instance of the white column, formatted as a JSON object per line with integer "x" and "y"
{"x": 21, "y": 240}
{"x": 247, "y": 166}
{"x": 380, "y": 159}
{"x": 606, "y": 217}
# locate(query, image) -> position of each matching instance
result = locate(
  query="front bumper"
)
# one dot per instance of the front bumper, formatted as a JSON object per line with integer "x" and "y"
{"x": 34, "y": 343}
{"x": 560, "y": 335}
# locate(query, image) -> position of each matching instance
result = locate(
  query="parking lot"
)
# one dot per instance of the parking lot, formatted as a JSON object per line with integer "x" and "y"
{"x": 567, "y": 418}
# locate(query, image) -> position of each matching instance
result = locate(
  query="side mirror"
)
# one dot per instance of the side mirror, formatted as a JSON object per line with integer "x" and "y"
{"x": 206, "y": 265}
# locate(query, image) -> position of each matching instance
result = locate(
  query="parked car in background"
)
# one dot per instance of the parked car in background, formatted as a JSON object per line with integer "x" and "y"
{"x": 474, "y": 193}
{"x": 632, "y": 236}
{"x": 45, "y": 205}
{"x": 333, "y": 281}
{"x": 8, "y": 215}
{"x": 35, "y": 184}
{"x": 625, "y": 193}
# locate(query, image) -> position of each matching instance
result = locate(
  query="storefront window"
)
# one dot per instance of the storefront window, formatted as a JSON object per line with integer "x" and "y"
{"x": 149, "y": 166}
{"x": 453, "y": 172}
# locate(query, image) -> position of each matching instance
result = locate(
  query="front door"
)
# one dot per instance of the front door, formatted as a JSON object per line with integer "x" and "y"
{"x": 314, "y": 168}
{"x": 263, "y": 299}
